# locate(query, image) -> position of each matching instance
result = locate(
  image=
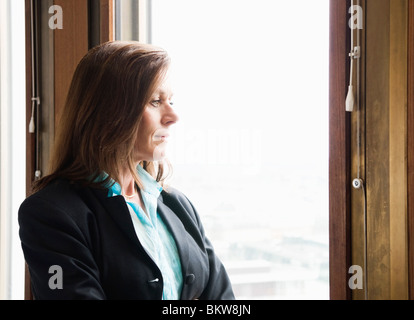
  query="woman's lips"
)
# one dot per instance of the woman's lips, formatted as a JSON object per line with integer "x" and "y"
{"x": 161, "y": 134}
{"x": 161, "y": 138}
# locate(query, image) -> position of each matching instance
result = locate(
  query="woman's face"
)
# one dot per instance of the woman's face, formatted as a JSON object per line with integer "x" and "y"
{"x": 157, "y": 118}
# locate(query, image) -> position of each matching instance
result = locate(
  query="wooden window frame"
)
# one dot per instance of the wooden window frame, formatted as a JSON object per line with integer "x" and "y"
{"x": 339, "y": 153}
{"x": 410, "y": 150}
{"x": 76, "y": 36}
{"x": 339, "y": 162}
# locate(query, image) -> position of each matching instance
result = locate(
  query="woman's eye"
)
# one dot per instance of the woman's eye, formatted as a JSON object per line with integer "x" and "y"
{"x": 156, "y": 103}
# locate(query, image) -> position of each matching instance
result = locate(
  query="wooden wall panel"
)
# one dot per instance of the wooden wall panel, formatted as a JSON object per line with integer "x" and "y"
{"x": 386, "y": 148}
{"x": 383, "y": 152}
{"x": 71, "y": 44}
{"x": 377, "y": 147}
{"x": 398, "y": 150}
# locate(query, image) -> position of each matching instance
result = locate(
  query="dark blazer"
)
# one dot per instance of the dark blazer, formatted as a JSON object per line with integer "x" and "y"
{"x": 92, "y": 238}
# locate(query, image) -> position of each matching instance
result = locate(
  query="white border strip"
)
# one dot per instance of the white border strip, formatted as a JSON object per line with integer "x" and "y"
{"x": 12, "y": 145}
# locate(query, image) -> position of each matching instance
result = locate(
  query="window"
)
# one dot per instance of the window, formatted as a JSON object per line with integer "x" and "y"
{"x": 251, "y": 147}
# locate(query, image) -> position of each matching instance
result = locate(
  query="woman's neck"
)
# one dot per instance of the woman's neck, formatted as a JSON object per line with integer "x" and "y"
{"x": 128, "y": 190}
{"x": 127, "y": 183}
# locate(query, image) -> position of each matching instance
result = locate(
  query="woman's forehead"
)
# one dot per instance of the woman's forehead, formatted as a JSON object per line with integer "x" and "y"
{"x": 164, "y": 88}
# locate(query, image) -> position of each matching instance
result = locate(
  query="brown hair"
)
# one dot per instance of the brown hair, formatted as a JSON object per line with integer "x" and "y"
{"x": 99, "y": 124}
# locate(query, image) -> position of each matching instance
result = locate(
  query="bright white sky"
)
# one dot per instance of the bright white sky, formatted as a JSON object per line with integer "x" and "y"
{"x": 258, "y": 65}
{"x": 251, "y": 85}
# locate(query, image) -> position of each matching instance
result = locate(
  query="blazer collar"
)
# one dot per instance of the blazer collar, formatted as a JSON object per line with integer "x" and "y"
{"x": 176, "y": 227}
{"x": 118, "y": 210}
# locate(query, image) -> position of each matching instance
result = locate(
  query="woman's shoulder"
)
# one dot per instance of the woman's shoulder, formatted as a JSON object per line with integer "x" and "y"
{"x": 58, "y": 189}
{"x": 170, "y": 194}
{"x": 178, "y": 201}
{"x": 60, "y": 194}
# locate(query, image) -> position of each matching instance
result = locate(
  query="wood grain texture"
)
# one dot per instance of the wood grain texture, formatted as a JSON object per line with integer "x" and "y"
{"x": 339, "y": 154}
{"x": 106, "y": 20}
{"x": 71, "y": 44}
{"x": 386, "y": 148}
{"x": 398, "y": 150}
{"x": 358, "y": 166}
{"x": 377, "y": 147}
{"x": 410, "y": 147}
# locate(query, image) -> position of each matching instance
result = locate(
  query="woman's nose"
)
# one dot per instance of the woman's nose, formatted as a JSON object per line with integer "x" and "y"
{"x": 170, "y": 117}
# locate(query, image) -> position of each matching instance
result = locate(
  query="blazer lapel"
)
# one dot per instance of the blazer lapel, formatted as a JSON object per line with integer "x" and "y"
{"x": 177, "y": 230}
{"x": 118, "y": 210}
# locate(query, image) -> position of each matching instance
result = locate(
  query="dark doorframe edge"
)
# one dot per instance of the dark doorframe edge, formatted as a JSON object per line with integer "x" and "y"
{"x": 339, "y": 154}
{"x": 30, "y": 138}
{"x": 410, "y": 149}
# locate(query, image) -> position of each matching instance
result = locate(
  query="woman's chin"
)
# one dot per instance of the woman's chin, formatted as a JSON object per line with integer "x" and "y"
{"x": 159, "y": 152}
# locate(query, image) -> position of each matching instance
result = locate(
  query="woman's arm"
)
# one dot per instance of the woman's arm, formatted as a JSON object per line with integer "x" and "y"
{"x": 51, "y": 237}
{"x": 219, "y": 285}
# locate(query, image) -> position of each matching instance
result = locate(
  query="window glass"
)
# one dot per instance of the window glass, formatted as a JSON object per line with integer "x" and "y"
{"x": 251, "y": 147}
{"x": 126, "y": 20}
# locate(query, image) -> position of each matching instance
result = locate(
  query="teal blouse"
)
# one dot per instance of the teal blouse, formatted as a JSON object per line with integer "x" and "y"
{"x": 154, "y": 235}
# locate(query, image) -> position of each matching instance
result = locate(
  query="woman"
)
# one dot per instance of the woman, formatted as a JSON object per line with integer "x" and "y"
{"x": 103, "y": 217}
